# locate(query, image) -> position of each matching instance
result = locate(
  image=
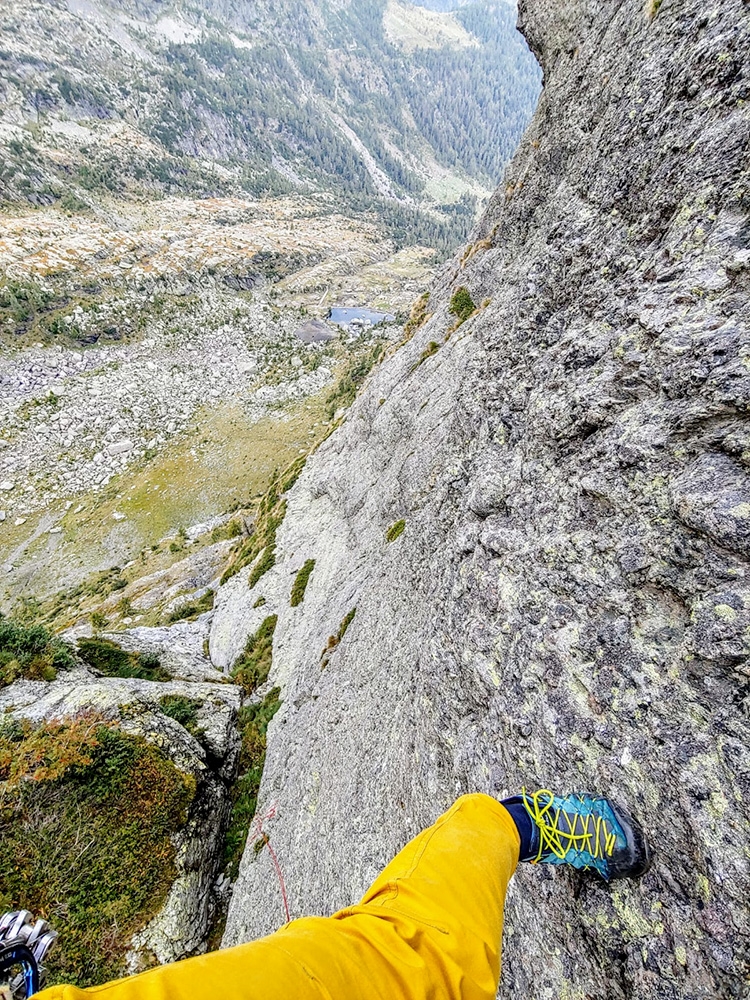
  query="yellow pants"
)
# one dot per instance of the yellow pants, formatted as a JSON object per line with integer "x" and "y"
{"x": 429, "y": 928}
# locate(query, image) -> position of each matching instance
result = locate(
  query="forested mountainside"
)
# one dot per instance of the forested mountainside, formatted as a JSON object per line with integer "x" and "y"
{"x": 384, "y": 106}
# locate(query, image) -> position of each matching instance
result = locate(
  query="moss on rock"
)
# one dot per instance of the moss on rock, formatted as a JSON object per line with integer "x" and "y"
{"x": 253, "y": 666}
{"x": 300, "y": 583}
{"x": 87, "y": 817}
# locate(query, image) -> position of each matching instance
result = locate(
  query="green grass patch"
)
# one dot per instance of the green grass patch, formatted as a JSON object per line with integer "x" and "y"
{"x": 418, "y": 316}
{"x": 112, "y": 660}
{"x": 87, "y": 816}
{"x": 395, "y": 531}
{"x": 253, "y": 721}
{"x": 271, "y": 512}
{"x": 30, "y": 651}
{"x": 432, "y": 348}
{"x": 192, "y": 609}
{"x": 461, "y": 306}
{"x": 253, "y": 665}
{"x": 300, "y": 583}
{"x": 353, "y": 377}
{"x": 183, "y": 710}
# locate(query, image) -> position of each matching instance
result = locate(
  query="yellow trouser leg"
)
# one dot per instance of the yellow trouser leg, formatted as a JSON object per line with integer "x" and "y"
{"x": 429, "y": 927}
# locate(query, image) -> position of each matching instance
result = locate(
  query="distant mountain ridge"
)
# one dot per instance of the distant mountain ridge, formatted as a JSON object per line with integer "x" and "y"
{"x": 149, "y": 97}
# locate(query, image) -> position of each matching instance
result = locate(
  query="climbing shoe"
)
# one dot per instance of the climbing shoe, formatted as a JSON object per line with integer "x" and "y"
{"x": 585, "y": 832}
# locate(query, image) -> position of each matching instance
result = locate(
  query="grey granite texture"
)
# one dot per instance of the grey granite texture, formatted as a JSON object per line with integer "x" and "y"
{"x": 568, "y": 606}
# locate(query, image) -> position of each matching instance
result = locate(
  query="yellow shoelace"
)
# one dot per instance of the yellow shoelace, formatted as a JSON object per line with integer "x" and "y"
{"x": 594, "y": 837}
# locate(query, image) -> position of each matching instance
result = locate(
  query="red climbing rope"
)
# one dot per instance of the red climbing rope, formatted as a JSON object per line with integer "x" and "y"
{"x": 256, "y": 835}
{"x": 280, "y": 876}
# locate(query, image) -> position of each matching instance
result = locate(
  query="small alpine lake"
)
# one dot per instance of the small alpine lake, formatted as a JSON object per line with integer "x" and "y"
{"x": 358, "y": 316}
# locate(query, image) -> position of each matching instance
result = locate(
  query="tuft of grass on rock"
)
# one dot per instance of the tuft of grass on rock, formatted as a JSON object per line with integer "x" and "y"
{"x": 395, "y": 531}
{"x": 112, "y": 660}
{"x": 253, "y": 722}
{"x": 253, "y": 665}
{"x": 291, "y": 474}
{"x": 30, "y": 651}
{"x": 191, "y": 609}
{"x": 418, "y": 316}
{"x": 270, "y": 514}
{"x": 183, "y": 710}
{"x": 346, "y": 622}
{"x": 300, "y": 583}
{"x": 334, "y": 640}
{"x": 461, "y": 306}
{"x": 352, "y": 379}
{"x": 87, "y": 820}
{"x": 267, "y": 561}
{"x": 432, "y": 348}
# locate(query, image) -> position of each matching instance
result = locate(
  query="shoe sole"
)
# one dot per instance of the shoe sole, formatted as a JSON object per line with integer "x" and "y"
{"x": 640, "y": 849}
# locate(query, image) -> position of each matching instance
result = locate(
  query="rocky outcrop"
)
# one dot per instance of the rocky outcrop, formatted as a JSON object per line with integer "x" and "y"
{"x": 178, "y": 647}
{"x": 567, "y": 604}
{"x": 205, "y": 748}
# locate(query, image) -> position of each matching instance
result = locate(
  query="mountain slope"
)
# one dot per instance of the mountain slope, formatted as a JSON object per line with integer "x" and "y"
{"x": 566, "y": 605}
{"x": 413, "y": 123}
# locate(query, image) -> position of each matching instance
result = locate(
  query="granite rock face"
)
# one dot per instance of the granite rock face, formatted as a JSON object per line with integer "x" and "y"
{"x": 567, "y": 606}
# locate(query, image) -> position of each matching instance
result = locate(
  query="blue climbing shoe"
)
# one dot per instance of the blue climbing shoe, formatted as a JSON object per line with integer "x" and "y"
{"x": 585, "y": 832}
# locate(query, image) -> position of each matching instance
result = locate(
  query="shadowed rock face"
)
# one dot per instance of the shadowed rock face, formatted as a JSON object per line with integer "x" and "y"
{"x": 568, "y": 604}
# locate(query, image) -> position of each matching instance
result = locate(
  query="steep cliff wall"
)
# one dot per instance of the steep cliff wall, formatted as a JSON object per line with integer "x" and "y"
{"x": 569, "y": 602}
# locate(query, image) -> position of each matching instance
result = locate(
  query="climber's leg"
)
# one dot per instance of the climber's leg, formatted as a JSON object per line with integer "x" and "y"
{"x": 429, "y": 926}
